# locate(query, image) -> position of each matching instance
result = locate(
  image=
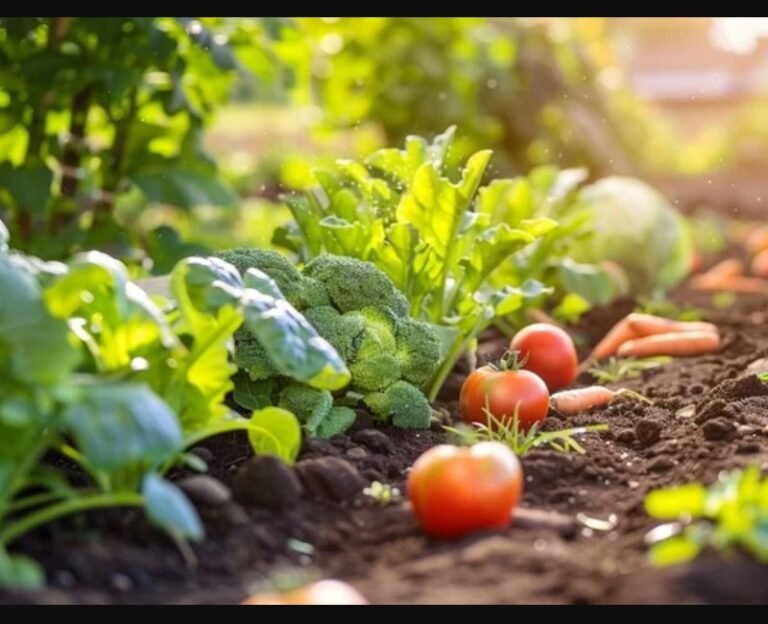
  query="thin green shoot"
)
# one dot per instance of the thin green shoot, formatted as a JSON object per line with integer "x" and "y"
{"x": 519, "y": 440}
{"x": 667, "y": 309}
{"x": 617, "y": 369}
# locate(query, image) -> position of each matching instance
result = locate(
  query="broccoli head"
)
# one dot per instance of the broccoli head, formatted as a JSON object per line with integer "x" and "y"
{"x": 338, "y": 420}
{"x": 375, "y": 372}
{"x": 418, "y": 350}
{"x": 403, "y": 404}
{"x": 343, "y": 332}
{"x": 353, "y": 284}
{"x": 311, "y": 406}
{"x": 252, "y": 357}
{"x": 299, "y": 291}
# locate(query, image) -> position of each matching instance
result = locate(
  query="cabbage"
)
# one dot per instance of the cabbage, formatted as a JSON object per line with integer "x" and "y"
{"x": 637, "y": 228}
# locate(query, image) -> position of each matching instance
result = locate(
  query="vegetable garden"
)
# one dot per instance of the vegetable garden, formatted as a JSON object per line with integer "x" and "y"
{"x": 456, "y": 348}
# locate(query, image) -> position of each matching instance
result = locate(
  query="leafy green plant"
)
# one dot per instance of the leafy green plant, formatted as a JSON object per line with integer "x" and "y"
{"x": 435, "y": 238}
{"x": 509, "y": 432}
{"x": 94, "y": 110}
{"x": 616, "y": 369}
{"x": 731, "y": 513}
{"x": 96, "y": 371}
{"x": 356, "y": 307}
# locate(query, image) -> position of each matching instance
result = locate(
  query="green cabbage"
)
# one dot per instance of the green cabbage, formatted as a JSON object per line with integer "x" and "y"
{"x": 637, "y": 228}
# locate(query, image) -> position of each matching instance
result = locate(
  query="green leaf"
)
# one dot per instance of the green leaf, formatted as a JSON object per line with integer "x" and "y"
{"x": 672, "y": 503}
{"x": 253, "y": 395}
{"x": 168, "y": 508}
{"x": 275, "y": 431}
{"x": 29, "y": 186}
{"x": 434, "y": 207}
{"x": 21, "y": 573}
{"x": 113, "y": 316}
{"x": 185, "y": 189}
{"x": 36, "y": 345}
{"x": 673, "y": 551}
{"x": 123, "y": 426}
{"x": 570, "y": 308}
{"x": 492, "y": 247}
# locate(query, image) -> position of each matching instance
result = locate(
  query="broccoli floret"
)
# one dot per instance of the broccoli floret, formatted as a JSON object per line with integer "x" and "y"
{"x": 342, "y": 332}
{"x": 375, "y": 372}
{"x": 299, "y": 291}
{"x": 353, "y": 284}
{"x": 418, "y": 350}
{"x": 338, "y": 420}
{"x": 403, "y": 404}
{"x": 379, "y": 325}
{"x": 252, "y": 357}
{"x": 311, "y": 406}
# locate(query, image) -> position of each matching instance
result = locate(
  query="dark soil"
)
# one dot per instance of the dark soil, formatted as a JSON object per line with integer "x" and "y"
{"x": 321, "y": 525}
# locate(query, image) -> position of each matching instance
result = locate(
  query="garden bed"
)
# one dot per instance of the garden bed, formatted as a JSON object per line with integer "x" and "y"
{"x": 550, "y": 555}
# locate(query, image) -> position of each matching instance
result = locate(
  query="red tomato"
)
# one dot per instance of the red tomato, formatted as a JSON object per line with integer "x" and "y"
{"x": 327, "y": 592}
{"x": 455, "y": 491}
{"x": 504, "y": 391}
{"x": 550, "y": 354}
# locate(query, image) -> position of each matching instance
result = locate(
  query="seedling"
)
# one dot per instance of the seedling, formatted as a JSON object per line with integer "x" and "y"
{"x": 520, "y": 441}
{"x": 617, "y": 369}
{"x": 732, "y": 513}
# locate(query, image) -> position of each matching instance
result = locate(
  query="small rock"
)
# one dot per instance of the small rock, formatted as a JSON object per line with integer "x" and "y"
{"x": 757, "y": 367}
{"x": 745, "y": 430}
{"x": 375, "y": 440}
{"x": 718, "y": 429}
{"x": 205, "y": 490}
{"x": 625, "y": 436}
{"x": 203, "y": 453}
{"x": 319, "y": 446}
{"x": 648, "y": 431}
{"x": 356, "y": 453}
{"x": 266, "y": 481}
{"x": 330, "y": 477}
{"x": 660, "y": 464}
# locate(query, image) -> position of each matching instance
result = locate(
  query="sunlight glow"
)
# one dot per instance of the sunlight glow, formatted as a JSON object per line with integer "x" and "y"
{"x": 739, "y": 34}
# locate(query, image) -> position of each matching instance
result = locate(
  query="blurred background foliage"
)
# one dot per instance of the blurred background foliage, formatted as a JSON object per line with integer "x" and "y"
{"x": 153, "y": 138}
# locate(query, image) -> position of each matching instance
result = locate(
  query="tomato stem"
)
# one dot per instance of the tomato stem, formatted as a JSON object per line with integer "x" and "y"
{"x": 511, "y": 361}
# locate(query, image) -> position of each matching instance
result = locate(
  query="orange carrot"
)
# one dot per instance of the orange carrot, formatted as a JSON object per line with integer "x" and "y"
{"x": 759, "y": 264}
{"x": 730, "y": 267}
{"x": 740, "y": 284}
{"x": 757, "y": 240}
{"x": 619, "y": 334}
{"x": 649, "y": 325}
{"x": 572, "y": 402}
{"x": 674, "y": 344}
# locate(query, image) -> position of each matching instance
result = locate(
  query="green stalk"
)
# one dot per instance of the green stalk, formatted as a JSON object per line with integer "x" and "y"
{"x": 48, "y": 514}
{"x": 447, "y": 366}
{"x": 34, "y": 500}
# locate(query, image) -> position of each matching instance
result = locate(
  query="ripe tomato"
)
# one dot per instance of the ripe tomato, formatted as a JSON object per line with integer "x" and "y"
{"x": 327, "y": 592}
{"x": 548, "y": 351}
{"x": 504, "y": 391}
{"x": 455, "y": 491}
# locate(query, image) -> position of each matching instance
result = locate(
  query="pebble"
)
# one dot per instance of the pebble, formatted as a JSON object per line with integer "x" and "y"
{"x": 718, "y": 429}
{"x": 648, "y": 431}
{"x": 330, "y": 477}
{"x": 267, "y": 481}
{"x": 356, "y": 453}
{"x": 205, "y": 490}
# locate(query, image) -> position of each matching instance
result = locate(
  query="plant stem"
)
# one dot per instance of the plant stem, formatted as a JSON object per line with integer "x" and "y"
{"x": 33, "y": 520}
{"x": 34, "y": 500}
{"x": 459, "y": 345}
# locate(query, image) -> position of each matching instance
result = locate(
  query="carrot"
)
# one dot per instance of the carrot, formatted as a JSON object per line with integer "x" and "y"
{"x": 572, "y": 402}
{"x": 673, "y": 344}
{"x": 757, "y": 240}
{"x": 759, "y": 264}
{"x": 649, "y": 325}
{"x": 730, "y": 267}
{"x": 619, "y": 334}
{"x": 740, "y": 284}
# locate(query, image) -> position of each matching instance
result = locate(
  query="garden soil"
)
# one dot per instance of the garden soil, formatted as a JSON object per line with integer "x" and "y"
{"x": 578, "y": 538}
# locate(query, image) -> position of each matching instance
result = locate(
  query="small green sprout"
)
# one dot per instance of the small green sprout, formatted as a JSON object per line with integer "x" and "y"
{"x": 383, "y": 493}
{"x": 617, "y": 369}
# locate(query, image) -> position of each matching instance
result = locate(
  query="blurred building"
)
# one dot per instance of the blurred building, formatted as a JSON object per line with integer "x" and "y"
{"x": 674, "y": 63}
